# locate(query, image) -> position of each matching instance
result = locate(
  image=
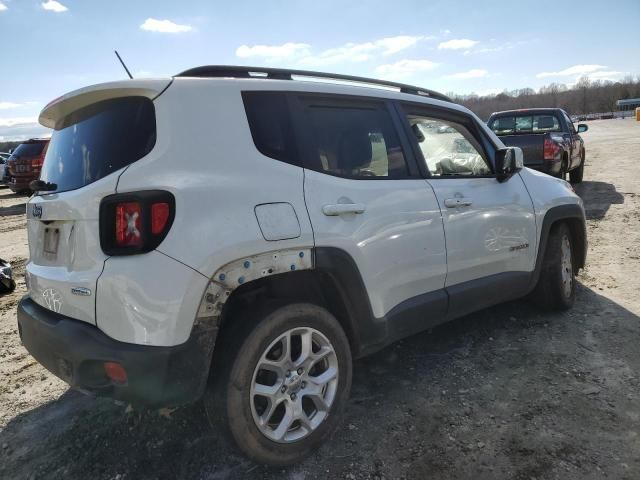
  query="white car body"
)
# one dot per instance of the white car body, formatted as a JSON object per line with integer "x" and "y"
{"x": 235, "y": 206}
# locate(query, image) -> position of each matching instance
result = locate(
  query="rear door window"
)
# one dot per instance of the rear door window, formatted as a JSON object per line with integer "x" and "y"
{"x": 97, "y": 140}
{"x": 353, "y": 139}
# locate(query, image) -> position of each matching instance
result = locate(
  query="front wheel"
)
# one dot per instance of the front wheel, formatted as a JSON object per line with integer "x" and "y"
{"x": 556, "y": 288}
{"x": 288, "y": 384}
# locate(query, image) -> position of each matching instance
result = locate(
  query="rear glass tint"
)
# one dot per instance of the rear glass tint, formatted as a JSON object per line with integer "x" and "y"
{"x": 97, "y": 140}
{"x": 270, "y": 125}
{"x": 525, "y": 124}
{"x": 29, "y": 149}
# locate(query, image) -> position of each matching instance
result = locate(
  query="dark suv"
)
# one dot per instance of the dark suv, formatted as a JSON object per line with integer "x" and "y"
{"x": 25, "y": 164}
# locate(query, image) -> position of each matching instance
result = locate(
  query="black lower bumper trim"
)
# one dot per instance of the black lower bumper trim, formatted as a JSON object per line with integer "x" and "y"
{"x": 76, "y": 351}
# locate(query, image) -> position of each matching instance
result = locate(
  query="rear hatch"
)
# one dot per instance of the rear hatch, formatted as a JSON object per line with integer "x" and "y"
{"x": 98, "y": 132}
{"x": 526, "y": 130}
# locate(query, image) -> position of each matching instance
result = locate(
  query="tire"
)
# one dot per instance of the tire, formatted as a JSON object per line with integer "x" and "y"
{"x": 296, "y": 387}
{"x": 556, "y": 288}
{"x": 576, "y": 174}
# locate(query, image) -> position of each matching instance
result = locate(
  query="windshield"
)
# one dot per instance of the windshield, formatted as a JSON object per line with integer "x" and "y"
{"x": 525, "y": 124}
{"x": 97, "y": 140}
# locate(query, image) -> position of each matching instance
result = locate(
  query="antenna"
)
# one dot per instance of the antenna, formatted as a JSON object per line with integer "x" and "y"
{"x": 123, "y": 65}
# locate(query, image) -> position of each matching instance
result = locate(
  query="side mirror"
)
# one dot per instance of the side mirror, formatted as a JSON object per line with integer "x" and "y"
{"x": 508, "y": 162}
{"x": 582, "y": 127}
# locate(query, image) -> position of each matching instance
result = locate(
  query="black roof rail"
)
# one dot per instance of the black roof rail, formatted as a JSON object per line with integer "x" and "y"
{"x": 234, "y": 71}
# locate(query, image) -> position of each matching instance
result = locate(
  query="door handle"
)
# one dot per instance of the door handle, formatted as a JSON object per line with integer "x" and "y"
{"x": 342, "y": 208}
{"x": 457, "y": 202}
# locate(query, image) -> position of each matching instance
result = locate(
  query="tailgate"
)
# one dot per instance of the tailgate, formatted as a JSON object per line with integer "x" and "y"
{"x": 532, "y": 146}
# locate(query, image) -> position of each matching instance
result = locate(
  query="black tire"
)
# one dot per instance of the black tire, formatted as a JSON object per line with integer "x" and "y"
{"x": 550, "y": 292}
{"x": 228, "y": 398}
{"x": 576, "y": 174}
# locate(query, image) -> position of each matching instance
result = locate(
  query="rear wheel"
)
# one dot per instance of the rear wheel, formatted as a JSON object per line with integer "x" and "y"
{"x": 288, "y": 383}
{"x": 576, "y": 175}
{"x": 556, "y": 288}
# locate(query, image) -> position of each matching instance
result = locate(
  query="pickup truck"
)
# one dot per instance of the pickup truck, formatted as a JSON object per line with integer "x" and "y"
{"x": 547, "y": 137}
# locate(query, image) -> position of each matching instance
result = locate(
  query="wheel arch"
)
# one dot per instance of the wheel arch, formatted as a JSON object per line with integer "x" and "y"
{"x": 331, "y": 280}
{"x": 573, "y": 216}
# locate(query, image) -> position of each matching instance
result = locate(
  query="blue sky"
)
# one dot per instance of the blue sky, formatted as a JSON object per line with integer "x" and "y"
{"x": 50, "y": 47}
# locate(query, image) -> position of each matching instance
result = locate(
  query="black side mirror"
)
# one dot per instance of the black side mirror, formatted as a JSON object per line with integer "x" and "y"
{"x": 582, "y": 127}
{"x": 509, "y": 161}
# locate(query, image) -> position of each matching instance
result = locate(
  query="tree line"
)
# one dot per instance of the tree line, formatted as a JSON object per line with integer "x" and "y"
{"x": 6, "y": 146}
{"x": 584, "y": 97}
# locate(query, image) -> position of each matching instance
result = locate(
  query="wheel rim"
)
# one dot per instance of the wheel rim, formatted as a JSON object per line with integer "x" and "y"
{"x": 567, "y": 266}
{"x": 294, "y": 385}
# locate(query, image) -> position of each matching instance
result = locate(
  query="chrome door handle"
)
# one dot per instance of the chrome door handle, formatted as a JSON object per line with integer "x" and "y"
{"x": 457, "y": 202}
{"x": 342, "y": 208}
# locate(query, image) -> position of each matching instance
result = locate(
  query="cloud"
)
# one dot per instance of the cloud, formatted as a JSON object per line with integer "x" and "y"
{"x": 164, "y": 26}
{"x": 54, "y": 6}
{"x": 286, "y": 51}
{"x": 3, "y": 7}
{"x": 21, "y": 128}
{"x": 575, "y": 70}
{"x": 8, "y": 105}
{"x": 457, "y": 44}
{"x": 475, "y": 73}
{"x": 349, "y": 52}
{"x": 606, "y": 75}
{"x": 405, "y": 68}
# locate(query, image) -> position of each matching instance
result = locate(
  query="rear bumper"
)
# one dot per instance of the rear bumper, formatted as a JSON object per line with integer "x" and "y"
{"x": 19, "y": 184}
{"x": 75, "y": 351}
{"x": 551, "y": 167}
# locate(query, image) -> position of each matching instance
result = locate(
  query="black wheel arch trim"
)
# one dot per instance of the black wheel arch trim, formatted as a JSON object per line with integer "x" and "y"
{"x": 573, "y": 214}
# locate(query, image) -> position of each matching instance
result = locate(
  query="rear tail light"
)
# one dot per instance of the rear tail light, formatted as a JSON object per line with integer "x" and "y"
{"x": 115, "y": 372}
{"x": 128, "y": 224}
{"x": 551, "y": 149}
{"x": 37, "y": 162}
{"x": 134, "y": 223}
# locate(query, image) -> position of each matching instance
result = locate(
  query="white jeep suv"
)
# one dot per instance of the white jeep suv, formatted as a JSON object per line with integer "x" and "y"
{"x": 243, "y": 234}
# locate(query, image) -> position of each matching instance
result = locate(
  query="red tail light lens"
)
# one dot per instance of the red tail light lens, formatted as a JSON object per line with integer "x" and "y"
{"x": 115, "y": 372}
{"x": 128, "y": 224}
{"x": 37, "y": 162}
{"x": 159, "y": 217}
{"x": 551, "y": 149}
{"x": 137, "y": 222}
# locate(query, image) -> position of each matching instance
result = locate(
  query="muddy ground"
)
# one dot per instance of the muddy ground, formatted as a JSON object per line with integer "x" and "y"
{"x": 509, "y": 392}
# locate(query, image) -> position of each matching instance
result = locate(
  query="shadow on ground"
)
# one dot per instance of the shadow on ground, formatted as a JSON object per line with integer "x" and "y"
{"x": 598, "y": 197}
{"x": 509, "y": 392}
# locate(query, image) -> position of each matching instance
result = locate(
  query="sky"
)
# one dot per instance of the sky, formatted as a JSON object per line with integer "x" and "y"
{"x": 48, "y": 48}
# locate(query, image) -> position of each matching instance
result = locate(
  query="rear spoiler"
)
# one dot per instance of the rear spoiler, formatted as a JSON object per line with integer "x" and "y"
{"x": 72, "y": 101}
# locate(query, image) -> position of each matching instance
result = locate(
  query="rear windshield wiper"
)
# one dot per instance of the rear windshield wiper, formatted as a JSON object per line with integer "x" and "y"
{"x": 42, "y": 186}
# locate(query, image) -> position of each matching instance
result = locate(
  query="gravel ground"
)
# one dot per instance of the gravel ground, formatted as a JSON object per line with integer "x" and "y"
{"x": 509, "y": 392}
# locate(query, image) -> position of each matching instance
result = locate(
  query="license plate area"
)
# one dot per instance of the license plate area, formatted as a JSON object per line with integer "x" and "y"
{"x": 51, "y": 240}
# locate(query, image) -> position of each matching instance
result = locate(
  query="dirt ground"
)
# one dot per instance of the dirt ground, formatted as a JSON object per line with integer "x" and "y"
{"x": 509, "y": 392}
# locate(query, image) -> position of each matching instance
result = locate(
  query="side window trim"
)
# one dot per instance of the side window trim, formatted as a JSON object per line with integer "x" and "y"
{"x": 305, "y": 144}
{"x": 405, "y": 109}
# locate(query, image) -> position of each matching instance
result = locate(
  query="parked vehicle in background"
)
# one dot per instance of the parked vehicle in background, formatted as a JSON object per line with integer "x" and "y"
{"x": 304, "y": 226}
{"x": 547, "y": 137}
{"x": 25, "y": 164}
{"x": 3, "y": 168}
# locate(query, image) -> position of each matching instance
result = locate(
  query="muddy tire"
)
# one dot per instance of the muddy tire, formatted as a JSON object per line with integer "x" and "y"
{"x": 575, "y": 175}
{"x": 288, "y": 382}
{"x": 556, "y": 288}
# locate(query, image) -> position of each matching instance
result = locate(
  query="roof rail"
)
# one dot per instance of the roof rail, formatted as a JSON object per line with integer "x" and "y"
{"x": 234, "y": 71}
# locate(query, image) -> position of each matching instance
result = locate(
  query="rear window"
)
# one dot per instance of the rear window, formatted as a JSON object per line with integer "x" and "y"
{"x": 514, "y": 124}
{"x": 97, "y": 140}
{"x": 29, "y": 149}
